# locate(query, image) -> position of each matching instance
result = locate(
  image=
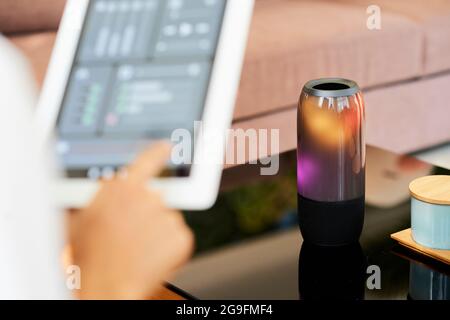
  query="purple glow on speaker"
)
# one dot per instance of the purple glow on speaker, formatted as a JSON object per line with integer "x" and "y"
{"x": 306, "y": 171}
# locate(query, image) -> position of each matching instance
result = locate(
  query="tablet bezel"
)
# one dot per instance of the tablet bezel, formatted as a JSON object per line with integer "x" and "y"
{"x": 199, "y": 190}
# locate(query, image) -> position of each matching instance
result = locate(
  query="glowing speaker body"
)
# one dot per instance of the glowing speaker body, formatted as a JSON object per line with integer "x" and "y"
{"x": 331, "y": 162}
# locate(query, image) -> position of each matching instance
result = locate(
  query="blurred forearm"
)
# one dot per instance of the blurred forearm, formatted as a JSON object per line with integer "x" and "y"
{"x": 30, "y": 15}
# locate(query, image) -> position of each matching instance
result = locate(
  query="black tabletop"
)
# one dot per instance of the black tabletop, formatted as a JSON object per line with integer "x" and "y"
{"x": 249, "y": 245}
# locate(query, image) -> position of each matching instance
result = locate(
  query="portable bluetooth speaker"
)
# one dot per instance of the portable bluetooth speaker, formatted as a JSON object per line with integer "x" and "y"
{"x": 331, "y": 162}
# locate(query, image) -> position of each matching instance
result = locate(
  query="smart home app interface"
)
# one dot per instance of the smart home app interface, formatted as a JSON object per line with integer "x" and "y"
{"x": 141, "y": 71}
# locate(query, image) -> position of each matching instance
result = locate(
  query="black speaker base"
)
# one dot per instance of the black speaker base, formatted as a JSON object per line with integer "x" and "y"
{"x": 331, "y": 223}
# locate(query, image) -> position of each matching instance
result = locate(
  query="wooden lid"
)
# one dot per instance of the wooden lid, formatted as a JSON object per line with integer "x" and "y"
{"x": 431, "y": 189}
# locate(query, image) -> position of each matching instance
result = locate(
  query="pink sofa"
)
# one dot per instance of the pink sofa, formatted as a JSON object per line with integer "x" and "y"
{"x": 404, "y": 68}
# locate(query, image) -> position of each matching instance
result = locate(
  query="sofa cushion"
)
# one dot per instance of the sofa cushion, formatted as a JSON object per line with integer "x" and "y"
{"x": 293, "y": 41}
{"x": 434, "y": 18}
{"x": 409, "y": 116}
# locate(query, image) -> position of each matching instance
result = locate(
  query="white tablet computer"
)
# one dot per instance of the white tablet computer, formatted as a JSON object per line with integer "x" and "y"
{"x": 126, "y": 73}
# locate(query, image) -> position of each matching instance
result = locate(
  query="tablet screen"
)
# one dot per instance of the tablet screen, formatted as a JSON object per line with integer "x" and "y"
{"x": 141, "y": 71}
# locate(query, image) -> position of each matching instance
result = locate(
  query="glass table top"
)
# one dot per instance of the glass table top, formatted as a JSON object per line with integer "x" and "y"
{"x": 249, "y": 245}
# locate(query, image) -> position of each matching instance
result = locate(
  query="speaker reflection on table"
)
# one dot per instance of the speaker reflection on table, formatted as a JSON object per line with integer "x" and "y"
{"x": 337, "y": 273}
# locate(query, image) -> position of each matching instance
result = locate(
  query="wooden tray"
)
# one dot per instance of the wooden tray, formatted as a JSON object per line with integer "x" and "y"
{"x": 404, "y": 238}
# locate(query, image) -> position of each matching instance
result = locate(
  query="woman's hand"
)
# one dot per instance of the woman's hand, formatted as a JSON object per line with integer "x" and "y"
{"x": 127, "y": 242}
